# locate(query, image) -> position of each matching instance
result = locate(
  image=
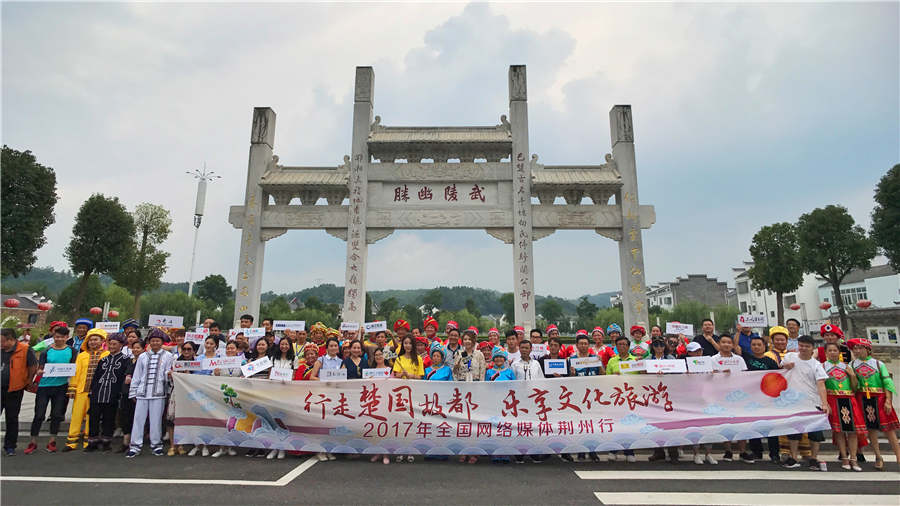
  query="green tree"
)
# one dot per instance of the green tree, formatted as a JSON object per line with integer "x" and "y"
{"x": 508, "y": 303}
{"x": 609, "y": 315}
{"x": 776, "y": 262}
{"x": 101, "y": 240}
{"x": 69, "y": 305}
{"x": 119, "y": 299}
{"x": 832, "y": 245}
{"x": 692, "y": 312}
{"x": 551, "y": 310}
{"x": 433, "y": 299}
{"x": 313, "y": 302}
{"x": 369, "y": 314}
{"x": 145, "y": 264}
{"x": 214, "y": 288}
{"x": 413, "y": 316}
{"x": 725, "y": 316}
{"x": 277, "y": 309}
{"x": 176, "y": 304}
{"x": 886, "y": 216}
{"x": 585, "y": 309}
{"x": 472, "y": 308}
{"x": 28, "y": 197}
{"x": 388, "y": 306}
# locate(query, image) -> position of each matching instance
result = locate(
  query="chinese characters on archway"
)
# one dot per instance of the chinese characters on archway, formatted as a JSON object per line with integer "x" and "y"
{"x": 524, "y": 412}
{"x": 354, "y": 233}
{"x": 429, "y": 193}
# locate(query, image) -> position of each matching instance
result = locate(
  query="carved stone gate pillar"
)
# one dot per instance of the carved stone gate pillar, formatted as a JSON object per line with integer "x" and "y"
{"x": 631, "y": 246}
{"x": 253, "y": 247}
{"x": 523, "y": 261}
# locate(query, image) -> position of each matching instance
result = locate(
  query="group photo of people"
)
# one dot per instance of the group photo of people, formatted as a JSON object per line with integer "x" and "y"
{"x": 122, "y": 381}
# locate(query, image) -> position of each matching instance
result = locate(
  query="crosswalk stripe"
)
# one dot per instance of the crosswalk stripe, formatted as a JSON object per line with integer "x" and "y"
{"x": 703, "y": 499}
{"x": 740, "y": 475}
{"x": 888, "y": 456}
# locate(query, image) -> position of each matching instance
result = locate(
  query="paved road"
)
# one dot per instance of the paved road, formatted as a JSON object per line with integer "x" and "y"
{"x": 99, "y": 479}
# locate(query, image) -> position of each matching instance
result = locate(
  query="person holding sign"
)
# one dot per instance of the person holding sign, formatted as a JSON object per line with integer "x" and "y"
{"x": 80, "y": 385}
{"x": 260, "y": 350}
{"x": 283, "y": 356}
{"x": 106, "y": 392}
{"x": 808, "y": 377}
{"x": 582, "y": 350}
{"x": 210, "y": 350}
{"x": 469, "y": 364}
{"x": 554, "y": 345}
{"x": 408, "y": 364}
{"x": 51, "y": 390}
{"x": 726, "y": 354}
{"x": 623, "y": 354}
{"x": 758, "y": 361}
{"x": 354, "y": 363}
{"x": 330, "y": 360}
{"x": 439, "y": 370}
{"x": 188, "y": 354}
{"x": 231, "y": 350}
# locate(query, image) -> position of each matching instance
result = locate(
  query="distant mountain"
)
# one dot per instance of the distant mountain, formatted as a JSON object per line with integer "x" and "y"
{"x": 47, "y": 281}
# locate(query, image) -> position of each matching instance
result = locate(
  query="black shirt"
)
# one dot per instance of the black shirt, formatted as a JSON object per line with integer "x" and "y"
{"x": 708, "y": 348}
{"x": 543, "y": 370}
{"x": 760, "y": 364}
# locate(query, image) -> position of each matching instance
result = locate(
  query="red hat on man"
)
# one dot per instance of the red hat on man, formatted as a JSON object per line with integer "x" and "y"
{"x": 422, "y": 339}
{"x": 598, "y": 329}
{"x": 55, "y": 324}
{"x": 401, "y": 324}
{"x": 831, "y": 329}
{"x": 493, "y": 330}
{"x": 581, "y": 332}
{"x": 552, "y": 327}
{"x": 638, "y": 328}
{"x": 452, "y": 325}
{"x": 430, "y": 321}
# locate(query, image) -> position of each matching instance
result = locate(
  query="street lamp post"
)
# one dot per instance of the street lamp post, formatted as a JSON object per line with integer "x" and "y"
{"x": 202, "y": 177}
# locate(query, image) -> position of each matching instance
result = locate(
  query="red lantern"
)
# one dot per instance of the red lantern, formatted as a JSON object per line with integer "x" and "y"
{"x": 11, "y": 303}
{"x": 113, "y": 314}
{"x": 795, "y": 307}
{"x": 44, "y": 306}
{"x": 863, "y": 303}
{"x": 825, "y": 306}
{"x": 96, "y": 310}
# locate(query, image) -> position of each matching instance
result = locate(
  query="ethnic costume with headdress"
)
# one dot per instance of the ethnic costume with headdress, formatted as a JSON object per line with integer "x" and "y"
{"x": 106, "y": 392}
{"x": 74, "y": 341}
{"x": 149, "y": 386}
{"x": 442, "y": 373}
{"x": 874, "y": 381}
{"x": 80, "y": 387}
{"x": 303, "y": 372}
{"x": 504, "y": 373}
{"x": 845, "y": 415}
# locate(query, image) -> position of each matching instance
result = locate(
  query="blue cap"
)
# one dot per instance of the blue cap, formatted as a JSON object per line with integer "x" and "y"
{"x": 85, "y": 321}
{"x": 613, "y": 327}
{"x": 131, "y": 322}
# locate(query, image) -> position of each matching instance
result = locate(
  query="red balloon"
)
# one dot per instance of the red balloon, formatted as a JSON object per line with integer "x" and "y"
{"x": 863, "y": 303}
{"x": 113, "y": 314}
{"x": 825, "y": 306}
{"x": 11, "y": 303}
{"x": 795, "y": 306}
{"x": 44, "y": 306}
{"x": 773, "y": 384}
{"x": 96, "y": 310}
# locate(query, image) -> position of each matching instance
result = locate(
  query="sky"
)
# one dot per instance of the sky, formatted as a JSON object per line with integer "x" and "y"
{"x": 744, "y": 115}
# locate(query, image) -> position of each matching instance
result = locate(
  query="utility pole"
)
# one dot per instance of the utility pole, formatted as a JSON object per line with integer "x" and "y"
{"x": 202, "y": 177}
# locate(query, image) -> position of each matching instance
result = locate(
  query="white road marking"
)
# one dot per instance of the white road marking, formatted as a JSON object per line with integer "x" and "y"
{"x": 284, "y": 480}
{"x": 703, "y": 499}
{"x": 887, "y": 455}
{"x": 740, "y": 475}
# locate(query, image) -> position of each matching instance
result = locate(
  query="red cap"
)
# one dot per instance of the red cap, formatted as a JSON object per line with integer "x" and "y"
{"x": 853, "y": 343}
{"x": 421, "y": 339}
{"x": 430, "y": 321}
{"x": 472, "y": 329}
{"x": 493, "y": 330}
{"x": 519, "y": 328}
{"x": 552, "y": 327}
{"x": 484, "y": 344}
{"x": 452, "y": 324}
{"x": 58, "y": 324}
{"x": 581, "y": 332}
{"x": 832, "y": 329}
{"x": 401, "y": 324}
{"x": 598, "y": 329}
{"x": 636, "y": 328}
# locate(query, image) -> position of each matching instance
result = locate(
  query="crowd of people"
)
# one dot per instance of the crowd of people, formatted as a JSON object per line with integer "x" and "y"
{"x": 123, "y": 379}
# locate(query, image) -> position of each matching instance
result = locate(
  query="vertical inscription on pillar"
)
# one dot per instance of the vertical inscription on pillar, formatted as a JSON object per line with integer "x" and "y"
{"x": 354, "y": 237}
{"x": 522, "y": 234}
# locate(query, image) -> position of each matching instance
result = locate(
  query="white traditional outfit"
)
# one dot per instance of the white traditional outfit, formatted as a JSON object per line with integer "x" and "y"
{"x": 148, "y": 387}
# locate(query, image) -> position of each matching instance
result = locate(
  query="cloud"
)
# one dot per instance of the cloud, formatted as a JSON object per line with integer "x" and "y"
{"x": 632, "y": 419}
{"x": 714, "y": 409}
{"x": 731, "y": 103}
{"x": 736, "y": 396}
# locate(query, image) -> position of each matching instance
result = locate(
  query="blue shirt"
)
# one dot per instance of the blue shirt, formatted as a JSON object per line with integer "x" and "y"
{"x": 54, "y": 356}
{"x": 334, "y": 362}
{"x": 506, "y": 374}
{"x": 744, "y": 342}
{"x": 442, "y": 373}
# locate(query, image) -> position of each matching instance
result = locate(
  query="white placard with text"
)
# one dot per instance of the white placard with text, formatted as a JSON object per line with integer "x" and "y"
{"x": 164, "y": 320}
{"x": 699, "y": 364}
{"x": 222, "y": 363}
{"x": 632, "y": 366}
{"x": 753, "y": 320}
{"x": 187, "y": 365}
{"x": 289, "y": 325}
{"x": 59, "y": 370}
{"x": 733, "y": 363}
{"x": 281, "y": 374}
{"x": 555, "y": 366}
{"x": 109, "y": 327}
{"x": 332, "y": 374}
{"x": 195, "y": 337}
{"x": 256, "y": 366}
{"x": 376, "y": 326}
{"x": 666, "y": 366}
{"x": 578, "y": 363}
{"x": 679, "y": 328}
{"x": 349, "y": 326}
{"x": 377, "y": 373}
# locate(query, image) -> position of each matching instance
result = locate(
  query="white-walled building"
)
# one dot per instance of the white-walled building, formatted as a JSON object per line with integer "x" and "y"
{"x": 752, "y": 300}
{"x": 880, "y": 284}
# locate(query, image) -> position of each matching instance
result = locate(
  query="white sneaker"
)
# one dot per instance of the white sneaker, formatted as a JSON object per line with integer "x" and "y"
{"x": 193, "y": 451}
{"x": 322, "y": 457}
{"x": 280, "y": 454}
{"x": 711, "y": 461}
{"x": 612, "y": 457}
{"x": 271, "y": 454}
{"x": 218, "y": 453}
{"x": 204, "y": 452}
{"x": 630, "y": 458}
{"x": 823, "y": 466}
{"x": 232, "y": 452}
{"x": 332, "y": 457}
{"x": 698, "y": 460}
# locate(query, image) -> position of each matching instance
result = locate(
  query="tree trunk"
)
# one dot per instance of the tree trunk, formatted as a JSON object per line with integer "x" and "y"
{"x": 79, "y": 296}
{"x": 780, "y": 305}
{"x": 839, "y": 300}
{"x": 137, "y": 305}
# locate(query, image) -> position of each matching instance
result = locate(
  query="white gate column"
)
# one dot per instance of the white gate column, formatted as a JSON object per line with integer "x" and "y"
{"x": 253, "y": 247}
{"x": 631, "y": 247}
{"x": 523, "y": 260}
{"x": 357, "y": 184}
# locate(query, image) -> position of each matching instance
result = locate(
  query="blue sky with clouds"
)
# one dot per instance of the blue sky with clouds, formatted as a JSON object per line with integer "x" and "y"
{"x": 744, "y": 115}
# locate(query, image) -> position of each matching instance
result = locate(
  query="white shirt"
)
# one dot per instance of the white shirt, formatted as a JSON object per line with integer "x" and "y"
{"x": 527, "y": 370}
{"x": 804, "y": 376}
{"x": 513, "y": 356}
